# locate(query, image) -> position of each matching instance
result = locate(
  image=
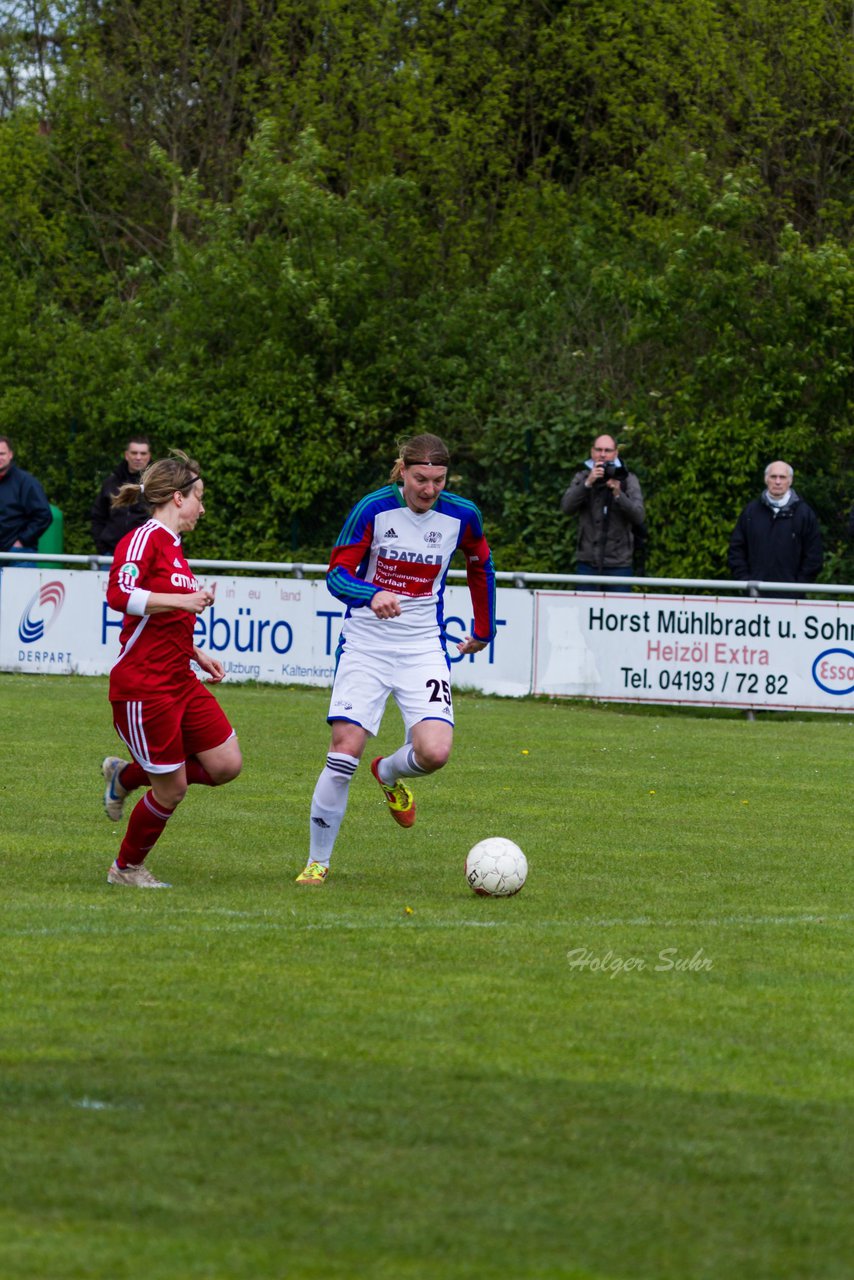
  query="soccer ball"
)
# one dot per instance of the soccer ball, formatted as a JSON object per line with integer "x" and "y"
{"x": 496, "y": 868}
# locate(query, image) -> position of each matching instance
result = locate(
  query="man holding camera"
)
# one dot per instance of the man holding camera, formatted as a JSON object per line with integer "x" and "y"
{"x": 610, "y": 509}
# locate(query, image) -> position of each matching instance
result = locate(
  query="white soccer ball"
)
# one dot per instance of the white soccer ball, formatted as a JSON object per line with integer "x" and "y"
{"x": 496, "y": 868}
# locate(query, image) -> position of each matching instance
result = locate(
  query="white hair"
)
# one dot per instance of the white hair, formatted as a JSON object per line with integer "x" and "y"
{"x": 782, "y": 464}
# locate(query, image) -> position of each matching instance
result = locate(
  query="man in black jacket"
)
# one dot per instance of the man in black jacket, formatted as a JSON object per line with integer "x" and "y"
{"x": 777, "y": 536}
{"x": 110, "y": 525}
{"x": 25, "y": 512}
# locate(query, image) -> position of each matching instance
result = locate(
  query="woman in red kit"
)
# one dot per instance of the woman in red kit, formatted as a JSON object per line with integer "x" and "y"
{"x": 173, "y": 726}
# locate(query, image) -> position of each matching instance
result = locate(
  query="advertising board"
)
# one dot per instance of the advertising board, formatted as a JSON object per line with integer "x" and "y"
{"x": 275, "y": 630}
{"x": 725, "y": 651}
{"x": 706, "y": 650}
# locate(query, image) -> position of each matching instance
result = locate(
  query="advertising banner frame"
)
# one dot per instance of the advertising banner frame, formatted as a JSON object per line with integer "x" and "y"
{"x": 746, "y": 653}
{"x": 771, "y": 652}
{"x": 273, "y": 630}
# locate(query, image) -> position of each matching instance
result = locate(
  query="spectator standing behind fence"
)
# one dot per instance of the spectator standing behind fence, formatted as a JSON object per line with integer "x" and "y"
{"x": 777, "y": 536}
{"x": 109, "y": 523}
{"x": 25, "y": 512}
{"x": 610, "y": 509}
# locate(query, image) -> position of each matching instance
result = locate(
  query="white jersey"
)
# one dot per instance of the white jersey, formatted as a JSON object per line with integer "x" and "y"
{"x": 385, "y": 546}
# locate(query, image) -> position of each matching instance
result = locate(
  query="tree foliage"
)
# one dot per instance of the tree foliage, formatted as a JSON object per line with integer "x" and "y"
{"x": 283, "y": 235}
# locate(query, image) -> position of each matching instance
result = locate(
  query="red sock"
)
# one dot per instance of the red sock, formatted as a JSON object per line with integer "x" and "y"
{"x": 197, "y": 773}
{"x": 144, "y": 829}
{"x": 132, "y": 776}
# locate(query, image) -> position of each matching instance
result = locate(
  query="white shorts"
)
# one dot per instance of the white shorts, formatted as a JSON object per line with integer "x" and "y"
{"x": 419, "y": 683}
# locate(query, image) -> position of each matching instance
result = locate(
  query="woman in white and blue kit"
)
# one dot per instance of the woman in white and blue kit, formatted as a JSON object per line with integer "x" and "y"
{"x": 389, "y": 566}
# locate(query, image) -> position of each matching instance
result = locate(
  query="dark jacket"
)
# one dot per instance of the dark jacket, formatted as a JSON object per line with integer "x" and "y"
{"x": 24, "y": 510}
{"x": 771, "y": 544}
{"x": 109, "y": 524}
{"x": 606, "y": 522}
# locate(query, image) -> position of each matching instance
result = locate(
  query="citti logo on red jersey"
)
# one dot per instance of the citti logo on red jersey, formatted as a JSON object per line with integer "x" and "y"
{"x": 181, "y": 580}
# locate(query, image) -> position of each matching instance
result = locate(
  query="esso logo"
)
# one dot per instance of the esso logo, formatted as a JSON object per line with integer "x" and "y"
{"x": 833, "y": 671}
{"x": 41, "y": 612}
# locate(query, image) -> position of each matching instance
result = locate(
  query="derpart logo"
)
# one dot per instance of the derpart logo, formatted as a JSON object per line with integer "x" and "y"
{"x": 41, "y": 612}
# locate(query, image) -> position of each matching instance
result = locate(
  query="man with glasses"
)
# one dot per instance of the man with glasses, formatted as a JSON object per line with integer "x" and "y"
{"x": 609, "y": 504}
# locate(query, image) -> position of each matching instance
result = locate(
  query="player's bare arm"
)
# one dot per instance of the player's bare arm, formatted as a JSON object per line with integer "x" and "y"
{"x": 193, "y": 602}
{"x": 212, "y": 667}
{"x": 470, "y": 645}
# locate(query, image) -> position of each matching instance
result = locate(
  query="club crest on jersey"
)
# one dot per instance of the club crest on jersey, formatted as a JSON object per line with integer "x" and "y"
{"x": 434, "y": 537}
{"x": 128, "y": 575}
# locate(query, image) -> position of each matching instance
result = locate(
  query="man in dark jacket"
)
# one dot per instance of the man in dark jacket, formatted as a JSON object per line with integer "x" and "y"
{"x": 610, "y": 509}
{"x": 110, "y": 525}
{"x": 777, "y": 536}
{"x": 24, "y": 509}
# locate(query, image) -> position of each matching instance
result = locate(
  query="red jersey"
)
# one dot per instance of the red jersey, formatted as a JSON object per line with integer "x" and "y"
{"x": 156, "y": 648}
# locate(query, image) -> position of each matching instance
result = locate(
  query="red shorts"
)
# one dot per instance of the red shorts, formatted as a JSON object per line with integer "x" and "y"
{"x": 160, "y": 733}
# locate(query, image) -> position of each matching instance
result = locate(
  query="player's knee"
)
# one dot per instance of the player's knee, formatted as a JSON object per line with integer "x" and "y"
{"x": 225, "y": 772}
{"x": 433, "y": 757}
{"x": 227, "y": 766}
{"x": 170, "y": 791}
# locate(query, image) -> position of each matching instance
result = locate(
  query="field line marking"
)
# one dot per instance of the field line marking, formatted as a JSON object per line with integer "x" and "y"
{"x": 248, "y": 921}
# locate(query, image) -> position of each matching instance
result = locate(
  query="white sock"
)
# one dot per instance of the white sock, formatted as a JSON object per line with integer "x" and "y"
{"x": 329, "y": 804}
{"x": 401, "y": 764}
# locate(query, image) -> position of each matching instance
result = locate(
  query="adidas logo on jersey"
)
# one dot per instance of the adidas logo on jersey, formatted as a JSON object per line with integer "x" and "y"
{"x": 392, "y": 533}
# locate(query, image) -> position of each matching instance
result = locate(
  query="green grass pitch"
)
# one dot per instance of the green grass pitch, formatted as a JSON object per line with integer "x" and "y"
{"x": 637, "y": 1069}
